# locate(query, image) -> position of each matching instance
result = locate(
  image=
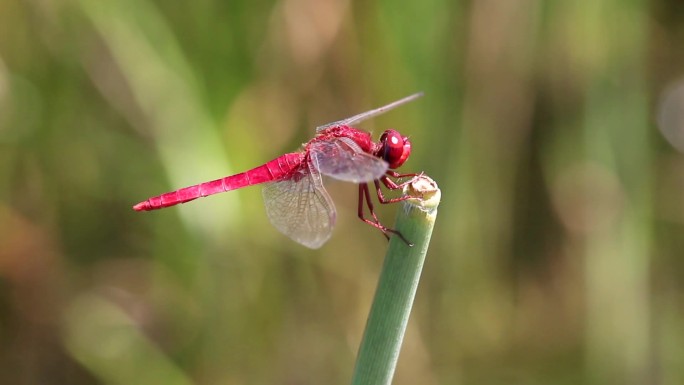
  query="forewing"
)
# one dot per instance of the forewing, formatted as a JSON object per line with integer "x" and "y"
{"x": 300, "y": 208}
{"x": 343, "y": 159}
{"x": 370, "y": 114}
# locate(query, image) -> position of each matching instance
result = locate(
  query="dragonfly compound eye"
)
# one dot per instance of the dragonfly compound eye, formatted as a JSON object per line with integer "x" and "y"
{"x": 395, "y": 148}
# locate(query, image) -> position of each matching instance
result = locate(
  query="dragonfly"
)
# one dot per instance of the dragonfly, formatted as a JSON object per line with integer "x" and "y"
{"x": 296, "y": 201}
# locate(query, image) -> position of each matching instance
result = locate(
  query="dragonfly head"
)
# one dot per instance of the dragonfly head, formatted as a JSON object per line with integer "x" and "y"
{"x": 394, "y": 148}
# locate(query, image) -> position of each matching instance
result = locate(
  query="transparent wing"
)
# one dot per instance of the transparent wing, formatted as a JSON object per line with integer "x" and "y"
{"x": 343, "y": 159}
{"x": 370, "y": 114}
{"x": 300, "y": 208}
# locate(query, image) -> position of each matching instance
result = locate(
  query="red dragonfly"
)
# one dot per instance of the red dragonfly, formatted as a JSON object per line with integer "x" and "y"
{"x": 296, "y": 201}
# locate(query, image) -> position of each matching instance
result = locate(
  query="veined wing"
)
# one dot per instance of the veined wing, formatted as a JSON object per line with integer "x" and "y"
{"x": 341, "y": 158}
{"x": 300, "y": 208}
{"x": 370, "y": 114}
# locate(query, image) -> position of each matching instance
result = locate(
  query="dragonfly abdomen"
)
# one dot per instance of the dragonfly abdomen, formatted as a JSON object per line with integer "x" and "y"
{"x": 274, "y": 170}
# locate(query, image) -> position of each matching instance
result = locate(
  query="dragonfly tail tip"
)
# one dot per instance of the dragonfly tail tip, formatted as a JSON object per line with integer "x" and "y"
{"x": 142, "y": 206}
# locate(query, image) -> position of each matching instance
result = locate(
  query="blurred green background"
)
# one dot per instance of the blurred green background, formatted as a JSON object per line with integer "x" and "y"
{"x": 557, "y": 256}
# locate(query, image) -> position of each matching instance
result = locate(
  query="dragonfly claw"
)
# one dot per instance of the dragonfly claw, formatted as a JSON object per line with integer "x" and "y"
{"x": 397, "y": 233}
{"x": 409, "y": 244}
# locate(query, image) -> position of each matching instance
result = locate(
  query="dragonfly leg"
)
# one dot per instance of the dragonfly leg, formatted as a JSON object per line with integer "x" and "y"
{"x": 392, "y": 185}
{"x": 381, "y": 196}
{"x": 397, "y": 175}
{"x": 364, "y": 196}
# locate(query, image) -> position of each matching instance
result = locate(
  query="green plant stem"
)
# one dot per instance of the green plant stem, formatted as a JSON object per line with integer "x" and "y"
{"x": 397, "y": 286}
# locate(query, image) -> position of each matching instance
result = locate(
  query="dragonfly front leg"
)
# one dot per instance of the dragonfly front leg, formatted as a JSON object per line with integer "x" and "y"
{"x": 381, "y": 196}
{"x": 392, "y": 185}
{"x": 397, "y": 175}
{"x": 364, "y": 196}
